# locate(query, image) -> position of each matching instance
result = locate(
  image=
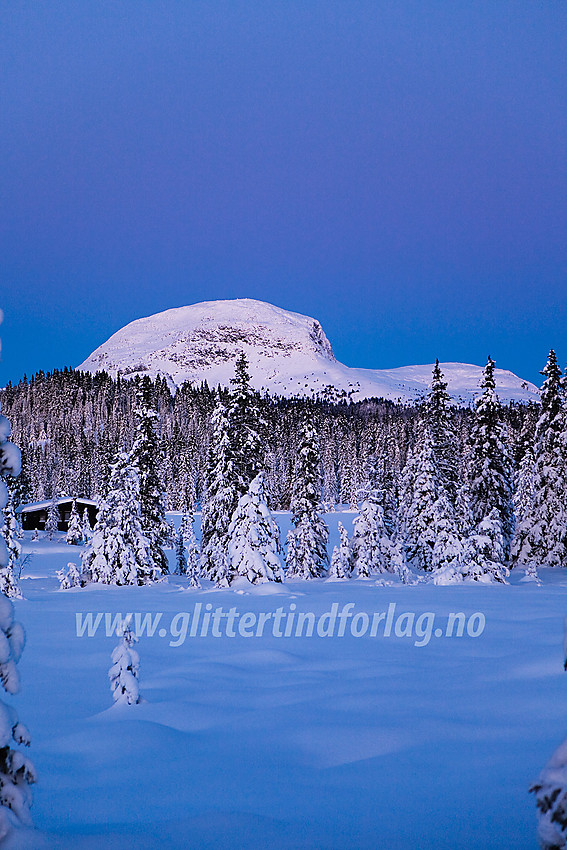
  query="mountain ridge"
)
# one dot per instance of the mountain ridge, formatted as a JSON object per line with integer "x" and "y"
{"x": 289, "y": 355}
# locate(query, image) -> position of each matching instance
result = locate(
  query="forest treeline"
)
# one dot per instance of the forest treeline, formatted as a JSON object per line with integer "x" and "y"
{"x": 70, "y": 425}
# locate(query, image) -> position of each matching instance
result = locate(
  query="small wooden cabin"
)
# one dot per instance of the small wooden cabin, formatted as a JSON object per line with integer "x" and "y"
{"x": 35, "y": 516}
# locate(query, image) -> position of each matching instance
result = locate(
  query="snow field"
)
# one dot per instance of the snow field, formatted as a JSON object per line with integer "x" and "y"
{"x": 291, "y": 743}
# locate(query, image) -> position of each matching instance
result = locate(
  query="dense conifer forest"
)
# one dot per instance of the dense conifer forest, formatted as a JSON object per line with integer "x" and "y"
{"x": 70, "y": 425}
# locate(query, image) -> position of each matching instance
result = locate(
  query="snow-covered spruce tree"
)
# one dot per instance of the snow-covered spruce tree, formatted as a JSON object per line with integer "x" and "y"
{"x": 291, "y": 553}
{"x": 119, "y": 552}
{"x": 186, "y": 494}
{"x": 341, "y": 566}
{"x": 448, "y": 547}
{"x": 443, "y": 439}
{"x": 274, "y": 477}
{"x": 16, "y": 771}
{"x": 73, "y": 577}
{"x": 541, "y": 532}
{"x": 490, "y": 462}
{"x": 330, "y": 483}
{"x": 483, "y": 557}
{"x": 531, "y": 574}
{"x": 397, "y": 563}
{"x": 105, "y": 453}
{"x": 74, "y": 536}
{"x": 221, "y": 495}
{"x": 367, "y": 547}
{"x": 407, "y": 485}
{"x": 551, "y": 794}
{"x": 463, "y": 515}
{"x": 350, "y": 473}
{"x": 186, "y": 526}
{"x": 382, "y": 481}
{"x": 307, "y": 555}
{"x": 421, "y": 491}
{"x": 86, "y": 528}
{"x": 551, "y": 801}
{"x": 53, "y": 517}
{"x": 180, "y": 555}
{"x": 187, "y": 551}
{"x": 193, "y": 569}
{"x": 123, "y": 673}
{"x": 219, "y": 560}
{"x": 372, "y": 550}
{"x": 447, "y": 553}
{"x": 144, "y": 457}
{"x": 524, "y": 492}
{"x": 524, "y": 495}
{"x": 20, "y": 488}
{"x": 8, "y": 581}
{"x": 336, "y": 569}
{"x": 246, "y": 426}
{"x": 254, "y": 538}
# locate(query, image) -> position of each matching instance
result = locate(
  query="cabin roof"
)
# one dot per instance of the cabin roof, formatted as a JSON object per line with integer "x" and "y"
{"x": 40, "y": 506}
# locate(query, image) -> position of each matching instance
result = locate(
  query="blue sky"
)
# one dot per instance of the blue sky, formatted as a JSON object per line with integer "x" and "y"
{"x": 396, "y": 169}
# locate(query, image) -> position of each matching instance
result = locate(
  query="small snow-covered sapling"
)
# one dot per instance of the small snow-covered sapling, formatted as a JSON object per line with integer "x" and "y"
{"x": 123, "y": 673}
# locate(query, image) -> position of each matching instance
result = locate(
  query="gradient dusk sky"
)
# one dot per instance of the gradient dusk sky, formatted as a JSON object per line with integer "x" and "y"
{"x": 397, "y": 170}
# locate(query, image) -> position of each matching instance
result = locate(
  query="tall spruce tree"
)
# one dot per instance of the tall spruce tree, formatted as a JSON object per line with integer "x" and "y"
{"x": 407, "y": 484}
{"x": 21, "y": 488}
{"x": 16, "y": 771}
{"x": 541, "y": 533}
{"x": 254, "y": 538}
{"x": 369, "y": 544}
{"x": 448, "y": 547}
{"x": 187, "y": 551}
{"x": 551, "y": 801}
{"x": 180, "y": 555}
{"x": 74, "y": 534}
{"x": 246, "y": 425}
{"x": 524, "y": 495}
{"x": 483, "y": 557}
{"x": 524, "y": 490}
{"x": 341, "y": 562}
{"x": 53, "y": 518}
{"x": 105, "y": 453}
{"x": 86, "y": 528}
{"x": 421, "y": 492}
{"x": 221, "y": 495}
{"x": 382, "y": 480}
{"x": 8, "y": 582}
{"x": 330, "y": 484}
{"x": 350, "y": 483}
{"x": 145, "y": 457}
{"x": 307, "y": 554}
{"x": 119, "y": 552}
{"x": 490, "y": 462}
{"x": 441, "y": 431}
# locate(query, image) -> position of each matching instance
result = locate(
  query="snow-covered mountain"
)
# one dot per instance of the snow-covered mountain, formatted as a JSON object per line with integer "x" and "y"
{"x": 288, "y": 353}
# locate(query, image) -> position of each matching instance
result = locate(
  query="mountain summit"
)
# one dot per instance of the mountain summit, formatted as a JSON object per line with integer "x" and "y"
{"x": 288, "y": 354}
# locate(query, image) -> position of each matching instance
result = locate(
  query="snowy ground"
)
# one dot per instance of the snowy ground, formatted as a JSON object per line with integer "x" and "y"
{"x": 299, "y": 742}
